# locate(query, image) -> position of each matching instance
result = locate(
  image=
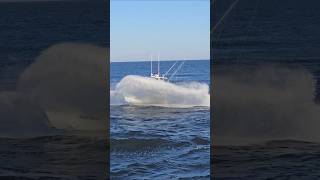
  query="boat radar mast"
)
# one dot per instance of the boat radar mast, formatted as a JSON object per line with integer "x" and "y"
{"x": 157, "y": 76}
{"x": 163, "y": 77}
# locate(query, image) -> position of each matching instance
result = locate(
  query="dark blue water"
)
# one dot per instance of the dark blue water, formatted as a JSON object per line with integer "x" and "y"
{"x": 28, "y": 29}
{"x": 160, "y": 142}
{"x": 266, "y": 51}
{"x": 194, "y": 70}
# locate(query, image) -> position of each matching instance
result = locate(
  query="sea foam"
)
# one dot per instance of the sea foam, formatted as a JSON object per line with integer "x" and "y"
{"x": 21, "y": 117}
{"x": 145, "y": 91}
{"x": 68, "y": 81}
{"x": 265, "y": 102}
{"x": 65, "y": 88}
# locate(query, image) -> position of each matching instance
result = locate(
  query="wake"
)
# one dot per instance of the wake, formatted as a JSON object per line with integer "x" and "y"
{"x": 64, "y": 89}
{"x": 263, "y": 103}
{"x": 145, "y": 91}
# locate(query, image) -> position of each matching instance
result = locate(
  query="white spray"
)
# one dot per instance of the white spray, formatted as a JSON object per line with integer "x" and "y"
{"x": 145, "y": 91}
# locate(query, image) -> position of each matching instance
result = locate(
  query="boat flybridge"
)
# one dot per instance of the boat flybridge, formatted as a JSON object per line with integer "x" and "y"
{"x": 163, "y": 77}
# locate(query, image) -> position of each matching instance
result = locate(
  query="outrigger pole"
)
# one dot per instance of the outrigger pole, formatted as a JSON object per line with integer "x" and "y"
{"x": 179, "y": 67}
{"x": 170, "y": 68}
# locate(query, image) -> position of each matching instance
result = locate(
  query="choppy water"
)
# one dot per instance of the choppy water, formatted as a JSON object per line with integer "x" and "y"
{"x": 282, "y": 159}
{"x": 159, "y": 142}
{"x": 28, "y": 147}
{"x": 28, "y": 28}
{"x": 53, "y": 157}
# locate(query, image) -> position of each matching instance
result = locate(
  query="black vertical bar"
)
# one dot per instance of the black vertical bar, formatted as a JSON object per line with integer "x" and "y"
{"x": 108, "y": 89}
{"x": 212, "y": 20}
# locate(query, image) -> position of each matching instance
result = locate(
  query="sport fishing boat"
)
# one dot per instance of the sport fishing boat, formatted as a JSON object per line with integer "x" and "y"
{"x": 157, "y": 76}
{"x": 163, "y": 77}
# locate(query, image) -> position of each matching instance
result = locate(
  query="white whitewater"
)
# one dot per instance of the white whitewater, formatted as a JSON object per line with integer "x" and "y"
{"x": 146, "y": 91}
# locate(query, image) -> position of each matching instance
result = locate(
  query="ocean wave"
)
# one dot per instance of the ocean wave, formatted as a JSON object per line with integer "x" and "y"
{"x": 267, "y": 102}
{"x": 21, "y": 117}
{"x": 65, "y": 88}
{"x": 145, "y": 91}
{"x": 68, "y": 81}
{"x": 143, "y": 145}
{"x": 200, "y": 141}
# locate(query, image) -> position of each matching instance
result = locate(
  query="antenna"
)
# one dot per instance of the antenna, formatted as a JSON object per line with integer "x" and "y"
{"x": 151, "y": 66}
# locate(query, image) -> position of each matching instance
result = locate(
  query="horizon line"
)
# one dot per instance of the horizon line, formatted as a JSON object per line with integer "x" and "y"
{"x": 161, "y": 60}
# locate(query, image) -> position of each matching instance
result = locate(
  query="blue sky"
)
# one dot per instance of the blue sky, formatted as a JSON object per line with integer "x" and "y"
{"x": 176, "y": 29}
